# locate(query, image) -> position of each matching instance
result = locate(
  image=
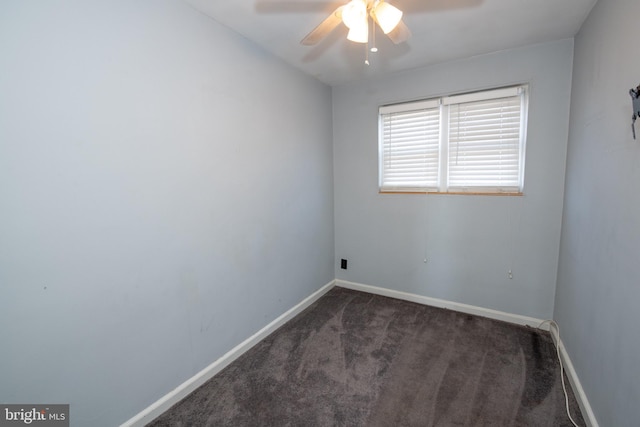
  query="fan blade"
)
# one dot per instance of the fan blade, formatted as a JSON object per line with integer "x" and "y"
{"x": 292, "y": 6}
{"x": 400, "y": 33}
{"x": 325, "y": 27}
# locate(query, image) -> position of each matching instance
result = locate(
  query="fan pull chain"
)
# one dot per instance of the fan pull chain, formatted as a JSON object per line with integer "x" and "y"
{"x": 374, "y": 49}
{"x": 366, "y": 51}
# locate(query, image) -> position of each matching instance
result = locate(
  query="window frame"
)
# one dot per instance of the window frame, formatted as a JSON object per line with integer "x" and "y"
{"x": 444, "y": 105}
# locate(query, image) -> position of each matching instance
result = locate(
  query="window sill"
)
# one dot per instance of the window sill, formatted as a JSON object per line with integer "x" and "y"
{"x": 453, "y": 193}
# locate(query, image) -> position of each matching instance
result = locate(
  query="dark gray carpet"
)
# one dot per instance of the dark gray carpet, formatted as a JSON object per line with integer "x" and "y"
{"x": 355, "y": 359}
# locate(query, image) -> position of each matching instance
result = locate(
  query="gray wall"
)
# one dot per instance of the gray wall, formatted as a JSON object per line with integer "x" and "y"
{"x": 165, "y": 192}
{"x": 470, "y": 242}
{"x": 599, "y": 271}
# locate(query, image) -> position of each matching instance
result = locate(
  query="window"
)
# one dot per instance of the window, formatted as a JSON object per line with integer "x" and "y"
{"x": 471, "y": 142}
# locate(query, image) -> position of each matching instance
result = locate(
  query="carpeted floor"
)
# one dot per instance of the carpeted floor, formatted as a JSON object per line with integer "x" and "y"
{"x": 355, "y": 359}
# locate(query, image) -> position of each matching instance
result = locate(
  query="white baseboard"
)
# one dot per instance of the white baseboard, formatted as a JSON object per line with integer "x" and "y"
{"x": 581, "y": 396}
{"x": 440, "y": 303}
{"x": 161, "y": 405}
{"x": 164, "y": 403}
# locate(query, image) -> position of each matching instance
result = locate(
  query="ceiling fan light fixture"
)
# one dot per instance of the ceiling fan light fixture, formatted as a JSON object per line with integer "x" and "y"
{"x": 359, "y": 33}
{"x": 387, "y": 16}
{"x": 355, "y": 15}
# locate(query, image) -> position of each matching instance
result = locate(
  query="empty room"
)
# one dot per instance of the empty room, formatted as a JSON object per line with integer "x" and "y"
{"x": 272, "y": 212}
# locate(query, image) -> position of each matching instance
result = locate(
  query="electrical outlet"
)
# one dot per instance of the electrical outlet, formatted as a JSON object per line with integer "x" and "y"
{"x": 510, "y": 273}
{"x": 343, "y": 264}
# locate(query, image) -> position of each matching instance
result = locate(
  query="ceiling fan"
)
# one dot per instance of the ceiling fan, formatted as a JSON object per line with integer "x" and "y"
{"x": 355, "y": 15}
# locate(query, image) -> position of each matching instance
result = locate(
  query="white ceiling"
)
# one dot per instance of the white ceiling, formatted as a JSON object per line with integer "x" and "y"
{"x": 443, "y": 30}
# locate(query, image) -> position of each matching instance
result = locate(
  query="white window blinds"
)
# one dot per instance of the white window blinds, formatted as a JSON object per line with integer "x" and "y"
{"x": 484, "y": 142}
{"x": 410, "y": 147}
{"x": 472, "y": 142}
